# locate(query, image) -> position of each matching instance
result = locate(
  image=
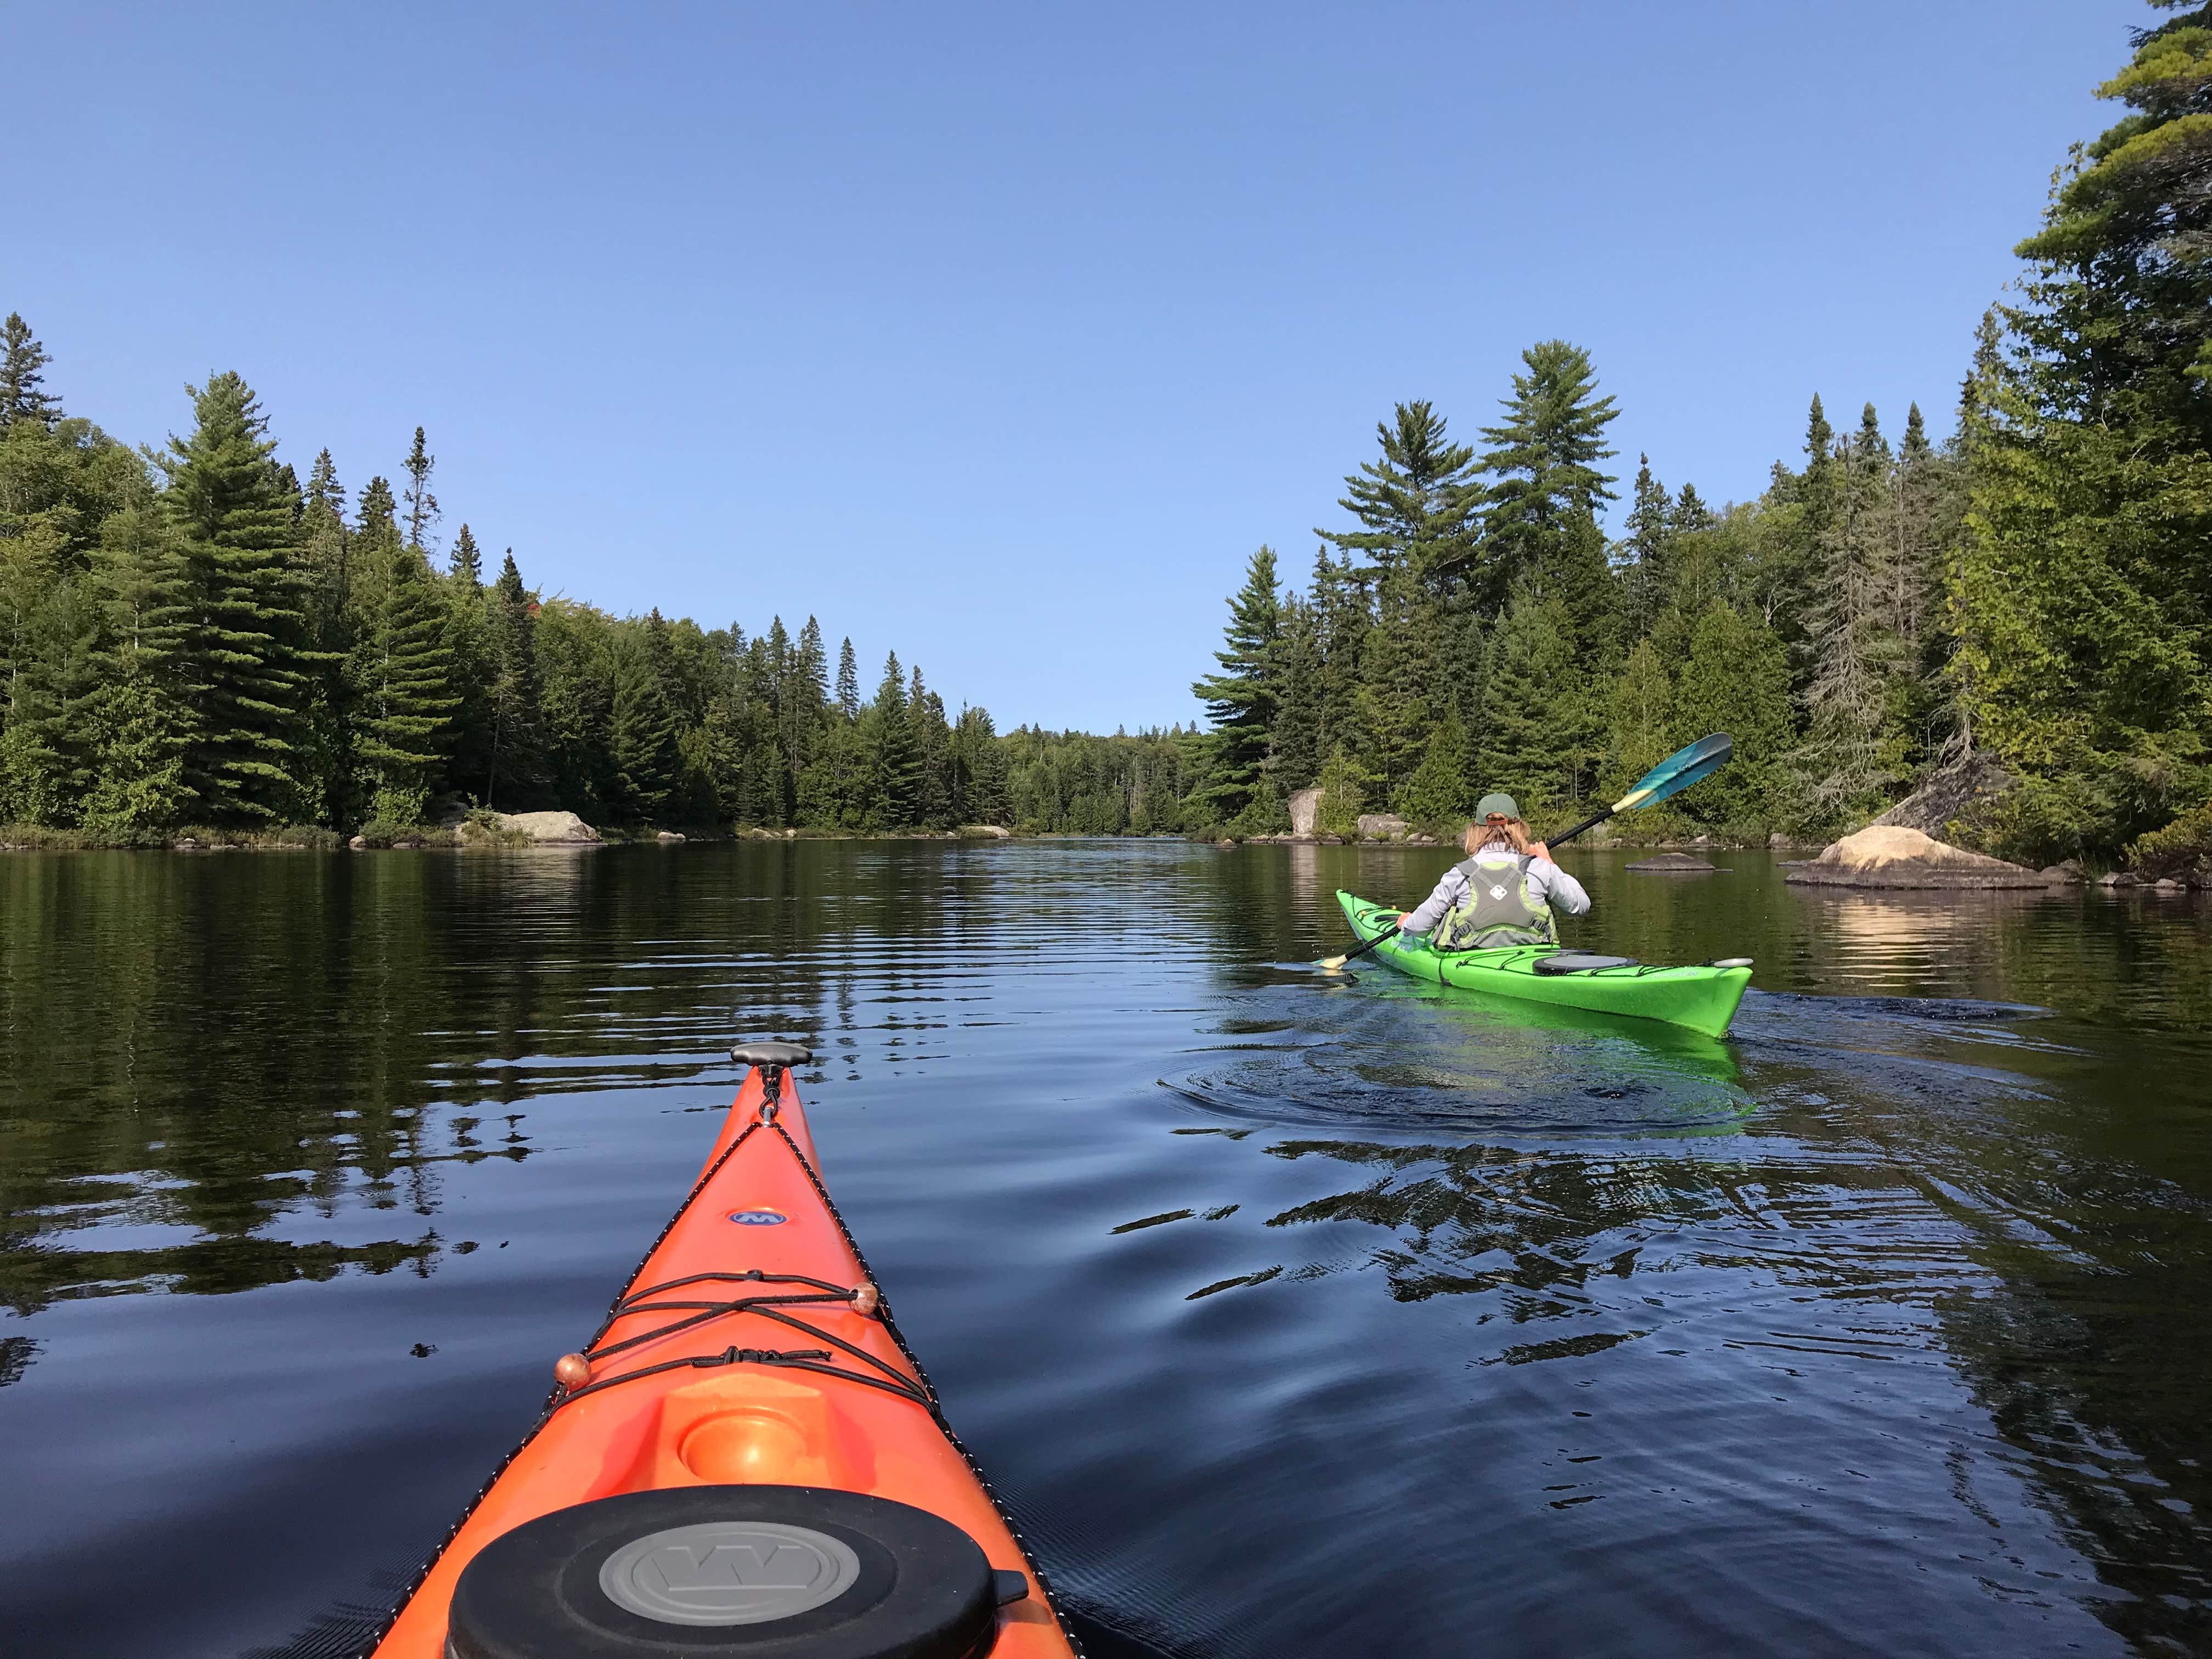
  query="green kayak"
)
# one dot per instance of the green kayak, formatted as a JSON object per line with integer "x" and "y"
{"x": 1702, "y": 998}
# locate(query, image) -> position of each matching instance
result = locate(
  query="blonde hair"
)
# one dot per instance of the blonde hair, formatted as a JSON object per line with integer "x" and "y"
{"x": 1513, "y": 833}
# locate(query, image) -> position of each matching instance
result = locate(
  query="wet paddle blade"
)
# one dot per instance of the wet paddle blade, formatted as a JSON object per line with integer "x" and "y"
{"x": 1679, "y": 771}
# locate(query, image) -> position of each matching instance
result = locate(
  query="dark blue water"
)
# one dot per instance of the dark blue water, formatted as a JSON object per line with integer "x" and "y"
{"x": 1293, "y": 1315}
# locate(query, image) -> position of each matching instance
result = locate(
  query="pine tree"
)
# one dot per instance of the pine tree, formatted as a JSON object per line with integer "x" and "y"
{"x": 647, "y": 757}
{"x": 141, "y": 726}
{"x": 421, "y": 505}
{"x": 1417, "y": 505}
{"x": 22, "y": 377}
{"x": 405, "y": 666}
{"x": 849, "y": 681}
{"x": 1544, "y": 456}
{"x": 243, "y": 675}
{"x": 1241, "y": 699}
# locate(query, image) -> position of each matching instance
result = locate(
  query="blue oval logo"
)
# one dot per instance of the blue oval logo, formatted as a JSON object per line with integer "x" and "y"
{"x": 758, "y": 1218}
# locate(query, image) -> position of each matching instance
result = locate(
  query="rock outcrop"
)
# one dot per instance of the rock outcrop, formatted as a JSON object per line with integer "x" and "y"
{"x": 551, "y": 828}
{"x": 1961, "y": 794}
{"x": 1381, "y": 826}
{"x": 986, "y": 832}
{"x": 1305, "y": 810}
{"x": 1892, "y": 856}
{"x": 1673, "y": 864}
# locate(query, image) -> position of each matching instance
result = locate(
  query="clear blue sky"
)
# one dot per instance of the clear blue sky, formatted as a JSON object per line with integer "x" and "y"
{"x": 1002, "y": 335}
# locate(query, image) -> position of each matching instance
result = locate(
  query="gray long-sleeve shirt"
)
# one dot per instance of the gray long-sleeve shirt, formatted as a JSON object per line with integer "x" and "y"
{"x": 1546, "y": 881}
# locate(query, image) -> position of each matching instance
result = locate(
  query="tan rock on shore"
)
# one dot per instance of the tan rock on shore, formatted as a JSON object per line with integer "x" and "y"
{"x": 1891, "y": 855}
{"x": 551, "y": 828}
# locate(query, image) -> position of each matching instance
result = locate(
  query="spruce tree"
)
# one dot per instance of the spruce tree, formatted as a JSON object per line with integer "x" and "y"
{"x": 1342, "y": 616}
{"x": 1852, "y": 655}
{"x": 22, "y": 377}
{"x": 981, "y": 781}
{"x": 1438, "y": 795}
{"x": 1645, "y": 576}
{"x": 1294, "y": 742}
{"x": 421, "y": 505}
{"x": 464, "y": 567}
{"x": 1544, "y": 456}
{"x": 896, "y": 761}
{"x": 1241, "y": 699}
{"x": 1417, "y": 505}
{"x": 849, "y": 681}
{"x": 513, "y": 760}
{"x": 244, "y": 678}
{"x": 933, "y": 743}
{"x": 1399, "y": 701}
{"x": 467, "y": 629}
{"x": 1530, "y": 706}
{"x": 1737, "y": 679}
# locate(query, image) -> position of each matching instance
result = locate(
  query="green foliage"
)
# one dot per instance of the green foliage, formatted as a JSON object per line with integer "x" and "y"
{"x": 243, "y": 678}
{"x": 1242, "y": 697}
{"x": 1528, "y": 742}
{"x": 1344, "y": 787}
{"x": 1416, "y": 505}
{"x": 1440, "y": 794}
{"x": 1544, "y": 456}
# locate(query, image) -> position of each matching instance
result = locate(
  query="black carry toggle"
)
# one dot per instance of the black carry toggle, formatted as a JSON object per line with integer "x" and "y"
{"x": 771, "y": 1057}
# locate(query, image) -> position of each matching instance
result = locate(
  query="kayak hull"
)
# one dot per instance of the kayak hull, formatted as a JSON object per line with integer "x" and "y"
{"x": 1700, "y": 999}
{"x": 719, "y": 1422}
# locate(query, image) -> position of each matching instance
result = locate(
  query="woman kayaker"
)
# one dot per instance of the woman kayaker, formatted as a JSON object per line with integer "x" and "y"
{"x": 1502, "y": 893}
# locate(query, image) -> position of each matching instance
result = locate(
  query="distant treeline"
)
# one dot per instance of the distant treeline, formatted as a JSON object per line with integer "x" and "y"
{"x": 194, "y": 636}
{"x": 2024, "y": 611}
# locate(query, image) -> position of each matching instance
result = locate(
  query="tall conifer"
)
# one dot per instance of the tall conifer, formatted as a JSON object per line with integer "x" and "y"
{"x": 245, "y": 684}
{"x": 1241, "y": 698}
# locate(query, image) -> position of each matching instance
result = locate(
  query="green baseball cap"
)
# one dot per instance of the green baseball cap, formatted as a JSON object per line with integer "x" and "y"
{"x": 1499, "y": 805}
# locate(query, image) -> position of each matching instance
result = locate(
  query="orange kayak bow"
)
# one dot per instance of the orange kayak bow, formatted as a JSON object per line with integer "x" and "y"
{"x": 747, "y": 1459}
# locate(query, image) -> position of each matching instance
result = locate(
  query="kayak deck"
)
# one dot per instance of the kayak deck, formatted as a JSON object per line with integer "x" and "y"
{"x": 751, "y": 1350}
{"x": 1702, "y": 998}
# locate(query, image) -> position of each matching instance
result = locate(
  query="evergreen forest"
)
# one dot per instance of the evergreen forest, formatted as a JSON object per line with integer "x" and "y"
{"x": 194, "y": 636}
{"x": 2013, "y": 618}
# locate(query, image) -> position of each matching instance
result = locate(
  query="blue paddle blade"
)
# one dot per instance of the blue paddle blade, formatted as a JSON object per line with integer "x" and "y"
{"x": 1680, "y": 771}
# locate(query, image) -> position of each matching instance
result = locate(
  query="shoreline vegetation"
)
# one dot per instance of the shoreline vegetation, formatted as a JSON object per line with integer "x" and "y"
{"x": 2002, "y": 638}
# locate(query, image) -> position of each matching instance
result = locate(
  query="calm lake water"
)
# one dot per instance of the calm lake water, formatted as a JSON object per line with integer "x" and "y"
{"x": 1293, "y": 1315}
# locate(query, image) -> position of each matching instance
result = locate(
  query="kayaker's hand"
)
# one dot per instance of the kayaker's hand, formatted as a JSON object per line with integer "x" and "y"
{"x": 1539, "y": 850}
